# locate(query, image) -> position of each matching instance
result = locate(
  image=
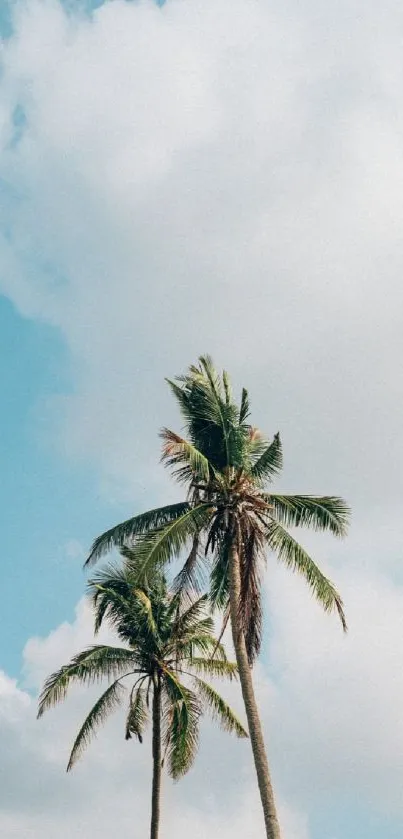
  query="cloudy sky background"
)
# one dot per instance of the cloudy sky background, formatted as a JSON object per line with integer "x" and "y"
{"x": 223, "y": 177}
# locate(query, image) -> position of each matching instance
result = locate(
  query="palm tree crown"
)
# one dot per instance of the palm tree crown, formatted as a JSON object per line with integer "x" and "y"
{"x": 226, "y": 464}
{"x": 167, "y": 648}
{"x": 231, "y": 517}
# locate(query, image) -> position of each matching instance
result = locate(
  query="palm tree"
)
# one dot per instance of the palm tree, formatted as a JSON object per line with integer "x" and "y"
{"x": 168, "y": 647}
{"x": 233, "y": 518}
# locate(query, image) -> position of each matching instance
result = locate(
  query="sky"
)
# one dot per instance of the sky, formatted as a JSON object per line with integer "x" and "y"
{"x": 177, "y": 179}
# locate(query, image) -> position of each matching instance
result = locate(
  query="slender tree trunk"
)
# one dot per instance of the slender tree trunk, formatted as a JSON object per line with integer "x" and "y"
{"x": 252, "y": 714}
{"x": 156, "y": 789}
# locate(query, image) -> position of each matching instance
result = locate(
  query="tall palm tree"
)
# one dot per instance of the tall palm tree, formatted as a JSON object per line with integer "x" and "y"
{"x": 168, "y": 648}
{"x": 232, "y": 517}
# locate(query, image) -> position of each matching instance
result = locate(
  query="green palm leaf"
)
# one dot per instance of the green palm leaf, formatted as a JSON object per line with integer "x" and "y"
{"x": 219, "y": 709}
{"x": 270, "y": 461}
{"x": 295, "y": 557}
{"x": 107, "y": 703}
{"x": 191, "y": 577}
{"x": 190, "y": 618}
{"x": 117, "y": 536}
{"x": 219, "y": 578}
{"x": 91, "y": 665}
{"x": 212, "y": 421}
{"x": 215, "y": 667}
{"x": 165, "y": 641}
{"x": 137, "y": 717}
{"x": 108, "y": 601}
{"x": 166, "y": 543}
{"x": 182, "y": 734}
{"x": 200, "y": 643}
{"x": 188, "y": 462}
{"x": 318, "y": 513}
{"x": 146, "y": 605}
{"x": 244, "y": 409}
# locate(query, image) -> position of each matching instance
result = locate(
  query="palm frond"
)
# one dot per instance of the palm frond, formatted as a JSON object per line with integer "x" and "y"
{"x": 270, "y": 461}
{"x": 181, "y": 394}
{"x": 110, "y": 600}
{"x": 318, "y": 513}
{"x": 137, "y": 717}
{"x": 135, "y": 576}
{"x": 193, "y": 617}
{"x": 214, "y": 667}
{"x": 93, "y": 664}
{"x": 244, "y": 409}
{"x": 190, "y": 578}
{"x": 117, "y": 597}
{"x": 219, "y": 577}
{"x": 107, "y": 703}
{"x": 219, "y": 709}
{"x": 147, "y": 607}
{"x": 250, "y": 607}
{"x": 257, "y": 444}
{"x": 187, "y": 462}
{"x": 166, "y": 543}
{"x": 117, "y": 536}
{"x": 227, "y": 387}
{"x": 211, "y": 421}
{"x": 202, "y": 643}
{"x": 295, "y": 557}
{"x": 182, "y": 725}
{"x": 225, "y": 622}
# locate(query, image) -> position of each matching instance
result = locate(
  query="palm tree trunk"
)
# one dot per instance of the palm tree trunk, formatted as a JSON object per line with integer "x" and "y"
{"x": 251, "y": 709}
{"x": 156, "y": 789}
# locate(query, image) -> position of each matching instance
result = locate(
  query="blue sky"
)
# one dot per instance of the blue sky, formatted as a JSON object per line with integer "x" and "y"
{"x": 46, "y": 502}
{"x": 182, "y": 186}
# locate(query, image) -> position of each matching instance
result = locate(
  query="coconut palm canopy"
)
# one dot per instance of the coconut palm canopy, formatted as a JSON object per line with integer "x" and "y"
{"x": 166, "y": 651}
{"x": 226, "y": 466}
{"x": 231, "y": 517}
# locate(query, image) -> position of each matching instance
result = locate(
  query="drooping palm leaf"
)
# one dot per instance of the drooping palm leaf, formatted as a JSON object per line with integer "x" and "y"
{"x": 146, "y": 604}
{"x": 117, "y": 536}
{"x": 200, "y": 643}
{"x": 108, "y": 702}
{"x": 219, "y": 709}
{"x": 219, "y": 577}
{"x": 137, "y": 717}
{"x": 164, "y": 544}
{"x": 289, "y": 551}
{"x": 214, "y": 667}
{"x": 190, "y": 579}
{"x": 93, "y": 664}
{"x": 182, "y": 734}
{"x": 164, "y": 637}
{"x": 250, "y": 606}
{"x": 109, "y": 601}
{"x": 193, "y": 617}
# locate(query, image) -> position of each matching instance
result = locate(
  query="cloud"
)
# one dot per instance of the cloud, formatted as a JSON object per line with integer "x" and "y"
{"x": 224, "y": 178}
{"x": 109, "y": 789}
{"x": 337, "y": 697}
{"x": 331, "y": 711}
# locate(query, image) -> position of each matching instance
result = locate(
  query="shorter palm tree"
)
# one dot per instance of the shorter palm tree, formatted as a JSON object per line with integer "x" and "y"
{"x": 169, "y": 646}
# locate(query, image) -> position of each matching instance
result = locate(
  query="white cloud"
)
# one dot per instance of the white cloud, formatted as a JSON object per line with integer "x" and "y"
{"x": 331, "y": 710}
{"x": 109, "y": 789}
{"x": 339, "y": 697}
{"x": 222, "y": 178}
